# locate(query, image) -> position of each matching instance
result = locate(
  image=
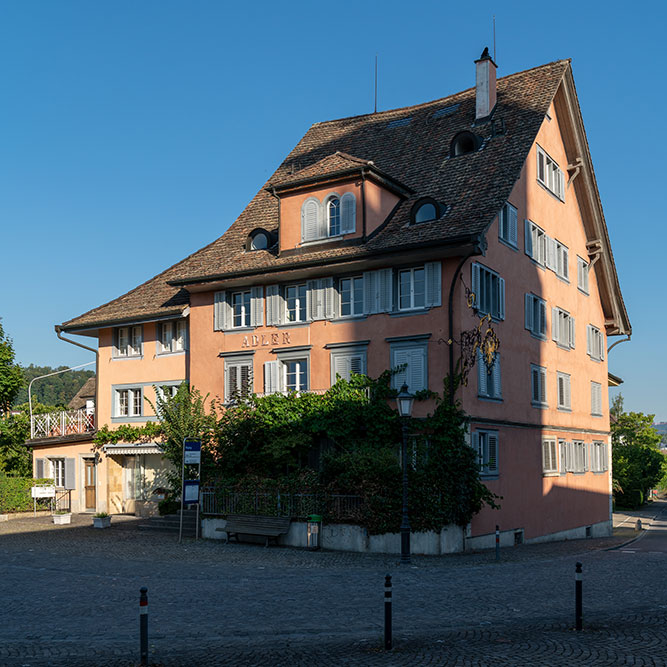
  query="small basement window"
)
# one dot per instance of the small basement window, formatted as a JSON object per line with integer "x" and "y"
{"x": 464, "y": 142}
{"x": 425, "y": 209}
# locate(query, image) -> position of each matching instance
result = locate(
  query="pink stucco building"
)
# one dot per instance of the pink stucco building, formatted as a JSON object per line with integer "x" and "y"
{"x": 377, "y": 241}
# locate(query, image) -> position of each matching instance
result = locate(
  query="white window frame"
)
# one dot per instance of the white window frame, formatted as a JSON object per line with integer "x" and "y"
{"x": 356, "y": 307}
{"x": 535, "y": 242}
{"x": 579, "y": 456}
{"x": 563, "y": 328}
{"x": 327, "y": 210}
{"x": 596, "y": 399}
{"x": 583, "y": 269}
{"x": 301, "y": 303}
{"x": 562, "y": 267}
{"x": 235, "y": 365}
{"x": 315, "y": 221}
{"x": 245, "y": 310}
{"x": 172, "y": 336}
{"x": 538, "y": 386}
{"x": 549, "y": 174}
{"x": 128, "y": 342}
{"x": 549, "y": 456}
{"x": 413, "y": 304}
{"x": 563, "y": 391}
{"x": 134, "y": 395}
{"x": 484, "y": 445}
{"x": 345, "y": 361}
{"x": 594, "y": 343}
{"x": 299, "y": 364}
{"x": 58, "y": 472}
{"x": 508, "y": 225}
{"x": 166, "y": 391}
{"x": 535, "y": 315}
{"x": 415, "y": 355}
{"x": 487, "y": 286}
{"x": 489, "y": 384}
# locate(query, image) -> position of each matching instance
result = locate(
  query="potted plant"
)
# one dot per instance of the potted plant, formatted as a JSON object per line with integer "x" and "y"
{"x": 102, "y": 520}
{"x": 62, "y": 517}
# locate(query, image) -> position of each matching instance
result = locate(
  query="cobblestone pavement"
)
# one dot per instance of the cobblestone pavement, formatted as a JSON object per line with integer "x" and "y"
{"x": 70, "y": 597}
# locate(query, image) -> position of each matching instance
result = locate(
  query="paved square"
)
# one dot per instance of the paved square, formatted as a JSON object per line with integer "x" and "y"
{"x": 70, "y": 597}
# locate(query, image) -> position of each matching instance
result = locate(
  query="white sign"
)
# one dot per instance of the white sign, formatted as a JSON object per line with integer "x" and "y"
{"x": 43, "y": 491}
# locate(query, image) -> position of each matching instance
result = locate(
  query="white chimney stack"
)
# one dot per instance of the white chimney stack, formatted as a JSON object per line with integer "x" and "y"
{"x": 485, "y": 85}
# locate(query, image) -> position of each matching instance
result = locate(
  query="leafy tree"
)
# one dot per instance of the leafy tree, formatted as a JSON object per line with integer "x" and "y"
{"x": 638, "y": 464}
{"x": 11, "y": 376}
{"x": 57, "y": 390}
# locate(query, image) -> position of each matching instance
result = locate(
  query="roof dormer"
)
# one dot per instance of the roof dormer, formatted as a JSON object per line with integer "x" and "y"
{"x": 338, "y": 198}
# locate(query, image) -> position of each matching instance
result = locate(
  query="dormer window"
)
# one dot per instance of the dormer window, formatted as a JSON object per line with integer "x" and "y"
{"x": 259, "y": 239}
{"x": 334, "y": 217}
{"x": 464, "y": 142}
{"x": 425, "y": 210}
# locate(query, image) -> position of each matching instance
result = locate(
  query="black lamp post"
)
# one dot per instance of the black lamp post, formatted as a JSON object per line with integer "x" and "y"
{"x": 404, "y": 400}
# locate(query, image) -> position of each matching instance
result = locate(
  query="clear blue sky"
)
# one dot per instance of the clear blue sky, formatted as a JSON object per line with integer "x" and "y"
{"x": 133, "y": 133}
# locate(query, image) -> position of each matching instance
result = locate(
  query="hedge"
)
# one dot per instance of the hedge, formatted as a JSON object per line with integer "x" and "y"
{"x": 15, "y": 495}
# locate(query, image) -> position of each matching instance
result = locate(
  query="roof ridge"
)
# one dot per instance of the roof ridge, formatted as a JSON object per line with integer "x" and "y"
{"x": 438, "y": 99}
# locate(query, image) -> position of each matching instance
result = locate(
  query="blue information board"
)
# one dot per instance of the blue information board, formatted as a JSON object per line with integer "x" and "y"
{"x": 191, "y": 451}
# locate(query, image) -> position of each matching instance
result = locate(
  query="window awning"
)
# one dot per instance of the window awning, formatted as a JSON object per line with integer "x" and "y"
{"x": 132, "y": 450}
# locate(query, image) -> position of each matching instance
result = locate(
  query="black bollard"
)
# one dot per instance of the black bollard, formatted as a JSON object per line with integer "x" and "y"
{"x": 577, "y": 595}
{"x": 497, "y": 542}
{"x": 143, "y": 625}
{"x": 387, "y": 613}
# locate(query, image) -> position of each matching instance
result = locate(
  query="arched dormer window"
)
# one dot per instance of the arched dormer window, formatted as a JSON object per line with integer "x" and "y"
{"x": 334, "y": 217}
{"x": 259, "y": 239}
{"x": 464, "y": 142}
{"x": 425, "y": 209}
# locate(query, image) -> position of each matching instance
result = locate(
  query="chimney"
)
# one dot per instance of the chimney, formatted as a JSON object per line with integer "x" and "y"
{"x": 485, "y": 85}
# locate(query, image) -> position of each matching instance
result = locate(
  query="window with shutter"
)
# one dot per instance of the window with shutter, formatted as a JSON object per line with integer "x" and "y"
{"x": 271, "y": 377}
{"x": 70, "y": 474}
{"x": 596, "y": 399}
{"x": 296, "y": 302}
{"x": 370, "y": 292}
{"x": 488, "y": 378}
{"x": 549, "y": 174}
{"x": 489, "y": 291}
{"x": 222, "y": 312}
{"x": 433, "y": 284}
{"x": 411, "y": 289}
{"x": 563, "y": 328}
{"x": 351, "y": 296}
{"x": 238, "y": 378}
{"x": 274, "y": 306}
{"x": 563, "y": 391}
{"x": 257, "y": 306}
{"x": 535, "y": 315}
{"x": 594, "y": 343}
{"x": 128, "y": 341}
{"x": 507, "y": 225}
{"x": 538, "y": 384}
{"x": 347, "y": 361}
{"x": 412, "y": 361}
{"x": 58, "y": 472}
{"x": 549, "y": 456}
{"x": 486, "y": 443}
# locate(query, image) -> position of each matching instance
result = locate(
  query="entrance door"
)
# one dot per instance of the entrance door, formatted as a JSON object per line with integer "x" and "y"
{"x": 90, "y": 484}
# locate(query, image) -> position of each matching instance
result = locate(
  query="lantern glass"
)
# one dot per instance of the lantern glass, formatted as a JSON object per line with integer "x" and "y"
{"x": 404, "y": 400}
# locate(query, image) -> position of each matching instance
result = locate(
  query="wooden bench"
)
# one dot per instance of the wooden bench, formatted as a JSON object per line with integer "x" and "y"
{"x": 270, "y": 527}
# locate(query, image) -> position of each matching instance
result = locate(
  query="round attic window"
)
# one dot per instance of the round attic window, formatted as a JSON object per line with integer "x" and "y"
{"x": 259, "y": 239}
{"x": 425, "y": 210}
{"x": 464, "y": 142}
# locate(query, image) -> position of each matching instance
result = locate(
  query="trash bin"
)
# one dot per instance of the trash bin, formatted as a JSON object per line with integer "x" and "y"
{"x": 314, "y": 529}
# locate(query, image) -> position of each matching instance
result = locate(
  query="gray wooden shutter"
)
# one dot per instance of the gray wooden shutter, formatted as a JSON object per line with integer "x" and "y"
{"x": 272, "y": 305}
{"x": 357, "y": 364}
{"x": 384, "y": 290}
{"x": 39, "y": 468}
{"x": 543, "y": 385}
{"x": 501, "y": 298}
{"x": 314, "y": 300}
{"x": 416, "y": 372}
{"x": 400, "y": 359}
{"x": 70, "y": 474}
{"x": 271, "y": 377}
{"x": 555, "y": 324}
{"x": 310, "y": 217}
{"x": 513, "y": 224}
{"x": 257, "y": 306}
{"x": 370, "y": 292}
{"x": 492, "y": 453}
{"x": 551, "y": 259}
{"x": 341, "y": 367}
{"x": 528, "y": 306}
{"x": 528, "y": 238}
{"x": 482, "y": 374}
{"x": 497, "y": 390}
{"x": 328, "y": 298}
{"x": 589, "y": 340}
{"x": 221, "y": 312}
{"x": 543, "y": 318}
{"x": 476, "y": 285}
{"x": 348, "y": 205}
{"x": 433, "y": 272}
{"x": 572, "y": 331}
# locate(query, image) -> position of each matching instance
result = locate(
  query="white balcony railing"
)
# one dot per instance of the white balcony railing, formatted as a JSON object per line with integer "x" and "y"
{"x": 55, "y": 424}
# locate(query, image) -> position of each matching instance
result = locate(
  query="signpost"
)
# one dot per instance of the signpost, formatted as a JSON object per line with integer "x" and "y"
{"x": 41, "y": 492}
{"x": 190, "y": 486}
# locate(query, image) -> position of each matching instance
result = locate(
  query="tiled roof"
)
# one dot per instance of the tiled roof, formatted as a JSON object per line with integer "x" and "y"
{"x": 413, "y": 151}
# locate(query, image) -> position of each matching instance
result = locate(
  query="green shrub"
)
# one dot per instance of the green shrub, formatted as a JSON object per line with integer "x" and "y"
{"x": 168, "y": 506}
{"x": 15, "y": 493}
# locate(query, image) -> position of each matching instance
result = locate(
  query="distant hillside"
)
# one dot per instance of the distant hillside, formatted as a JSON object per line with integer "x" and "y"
{"x": 55, "y": 390}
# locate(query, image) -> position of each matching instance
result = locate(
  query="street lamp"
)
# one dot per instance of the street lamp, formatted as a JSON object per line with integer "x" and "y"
{"x": 404, "y": 401}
